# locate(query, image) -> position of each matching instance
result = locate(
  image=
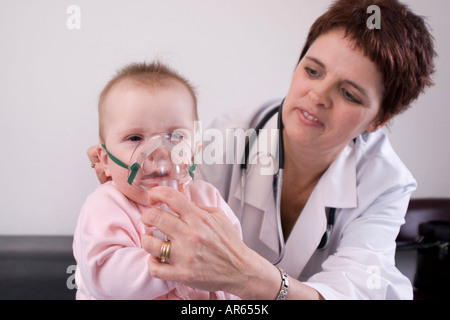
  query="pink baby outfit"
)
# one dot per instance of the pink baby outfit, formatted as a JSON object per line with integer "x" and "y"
{"x": 111, "y": 263}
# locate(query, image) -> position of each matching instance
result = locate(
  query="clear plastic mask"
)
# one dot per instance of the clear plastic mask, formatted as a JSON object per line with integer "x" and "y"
{"x": 162, "y": 158}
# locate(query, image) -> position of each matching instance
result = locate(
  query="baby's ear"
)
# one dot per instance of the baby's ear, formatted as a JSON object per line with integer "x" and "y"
{"x": 198, "y": 148}
{"x": 103, "y": 157}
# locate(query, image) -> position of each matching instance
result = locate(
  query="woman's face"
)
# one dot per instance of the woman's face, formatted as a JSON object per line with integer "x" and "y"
{"x": 335, "y": 95}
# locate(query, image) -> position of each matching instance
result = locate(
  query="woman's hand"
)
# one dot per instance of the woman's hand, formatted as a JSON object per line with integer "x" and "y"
{"x": 92, "y": 153}
{"x": 206, "y": 250}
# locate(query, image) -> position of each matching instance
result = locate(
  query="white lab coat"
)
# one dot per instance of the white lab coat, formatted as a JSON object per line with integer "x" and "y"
{"x": 370, "y": 188}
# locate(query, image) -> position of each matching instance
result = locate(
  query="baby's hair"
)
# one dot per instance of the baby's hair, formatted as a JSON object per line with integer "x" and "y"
{"x": 154, "y": 74}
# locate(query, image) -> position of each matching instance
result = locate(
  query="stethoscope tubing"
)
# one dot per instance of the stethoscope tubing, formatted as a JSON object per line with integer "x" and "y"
{"x": 331, "y": 214}
{"x": 244, "y": 167}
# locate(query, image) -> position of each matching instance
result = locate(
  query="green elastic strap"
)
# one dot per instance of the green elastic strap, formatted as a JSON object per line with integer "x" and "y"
{"x": 191, "y": 170}
{"x": 134, "y": 168}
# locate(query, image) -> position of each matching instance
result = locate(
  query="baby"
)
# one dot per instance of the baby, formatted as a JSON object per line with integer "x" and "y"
{"x": 141, "y": 102}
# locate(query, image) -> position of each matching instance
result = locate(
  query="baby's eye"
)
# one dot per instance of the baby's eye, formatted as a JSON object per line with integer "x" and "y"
{"x": 134, "y": 138}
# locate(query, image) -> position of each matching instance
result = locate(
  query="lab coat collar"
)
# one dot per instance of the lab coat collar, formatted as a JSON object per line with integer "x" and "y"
{"x": 339, "y": 181}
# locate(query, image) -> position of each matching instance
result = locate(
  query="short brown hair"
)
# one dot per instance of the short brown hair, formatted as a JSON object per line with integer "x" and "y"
{"x": 153, "y": 74}
{"x": 402, "y": 49}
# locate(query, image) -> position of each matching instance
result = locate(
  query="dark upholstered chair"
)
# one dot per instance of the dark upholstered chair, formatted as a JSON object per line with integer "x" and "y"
{"x": 36, "y": 267}
{"x": 420, "y": 211}
{"x": 423, "y": 210}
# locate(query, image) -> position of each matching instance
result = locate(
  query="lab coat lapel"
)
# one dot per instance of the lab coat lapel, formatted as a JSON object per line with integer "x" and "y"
{"x": 339, "y": 189}
{"x": 306, "y": 234}
{"x": 262, "y": 199}
{"x": 336, "y": 189}
{"x": 260, "y": 183}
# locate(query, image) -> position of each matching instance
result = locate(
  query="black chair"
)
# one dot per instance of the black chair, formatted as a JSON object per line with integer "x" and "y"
{"x": 36, "y": 268}
{"x": 421, "y": 211}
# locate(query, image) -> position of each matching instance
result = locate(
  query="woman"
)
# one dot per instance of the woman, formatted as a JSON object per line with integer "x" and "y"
{"x": 340, "y": 173}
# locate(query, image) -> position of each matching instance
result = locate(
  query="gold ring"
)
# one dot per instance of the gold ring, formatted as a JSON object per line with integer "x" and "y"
{"x": 165, "y": 251}
{"x": 93, "y": 165}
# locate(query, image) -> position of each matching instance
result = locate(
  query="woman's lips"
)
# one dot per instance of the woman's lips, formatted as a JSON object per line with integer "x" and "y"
{"x": 308, "y": 118}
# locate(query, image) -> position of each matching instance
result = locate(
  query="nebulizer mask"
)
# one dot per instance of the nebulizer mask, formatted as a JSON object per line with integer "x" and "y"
{"x": 162, "y": 160}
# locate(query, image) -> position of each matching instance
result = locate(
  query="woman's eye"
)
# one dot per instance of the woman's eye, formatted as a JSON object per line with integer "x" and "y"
{"x": 312, "y": 72}
{"x": 348, "y": 96}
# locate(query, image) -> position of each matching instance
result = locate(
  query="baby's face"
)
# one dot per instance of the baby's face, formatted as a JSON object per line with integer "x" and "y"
{"x": 135, "y": 113}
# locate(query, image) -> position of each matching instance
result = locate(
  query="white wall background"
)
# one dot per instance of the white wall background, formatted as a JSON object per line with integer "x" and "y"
{"x": 238, "y": 53}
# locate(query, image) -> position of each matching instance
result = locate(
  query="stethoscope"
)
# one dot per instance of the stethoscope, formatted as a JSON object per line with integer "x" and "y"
{"x": 278, "y": 181}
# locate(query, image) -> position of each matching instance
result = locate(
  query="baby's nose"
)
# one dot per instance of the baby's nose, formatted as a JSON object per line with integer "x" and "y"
{"x": 161, "y": 153}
